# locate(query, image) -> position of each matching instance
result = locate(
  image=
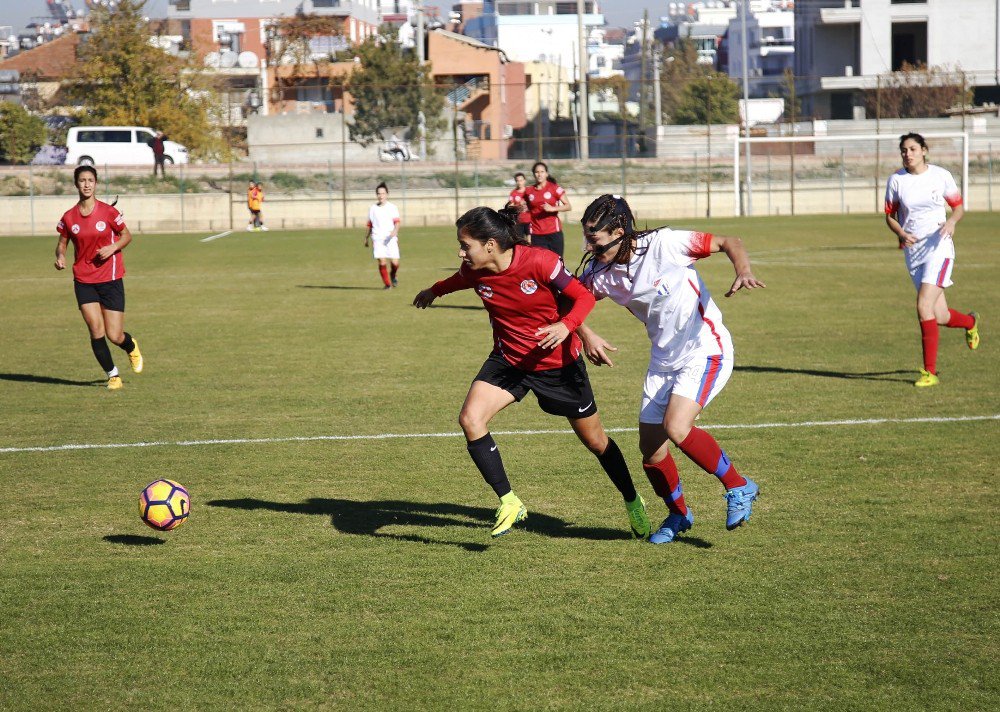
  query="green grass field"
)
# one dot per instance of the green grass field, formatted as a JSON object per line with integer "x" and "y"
{"x": 358, "y": 573}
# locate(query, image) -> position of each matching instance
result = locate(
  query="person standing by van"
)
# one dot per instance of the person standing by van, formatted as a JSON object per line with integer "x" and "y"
{"x": 99, "y": 235}
{"x": 159, "y": 154}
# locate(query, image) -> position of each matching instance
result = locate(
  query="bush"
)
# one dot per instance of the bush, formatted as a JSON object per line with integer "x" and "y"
{"x": 287, "y": 181}
{"x": 21, "y": 133}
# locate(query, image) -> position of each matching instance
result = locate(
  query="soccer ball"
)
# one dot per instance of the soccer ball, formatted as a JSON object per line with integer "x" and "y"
{"x": 164, "y": 505}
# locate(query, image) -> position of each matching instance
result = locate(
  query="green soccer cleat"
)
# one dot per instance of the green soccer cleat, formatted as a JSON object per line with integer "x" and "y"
{"x": 511, "y": 512}
{"x": 637, "y": 517}
{"x": 972, "y": 335}
{"x": 926, "y": 379}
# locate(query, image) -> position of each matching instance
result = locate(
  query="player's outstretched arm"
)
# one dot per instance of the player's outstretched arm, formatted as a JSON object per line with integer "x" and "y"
{"x": 424, "y": 298}
{"x": 595, "y": 346}
{"x": 737, "y": 254}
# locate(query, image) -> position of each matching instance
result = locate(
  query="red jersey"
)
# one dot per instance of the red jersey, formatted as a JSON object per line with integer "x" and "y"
{"x": 544, "y": 223}
{"x": 517, "y": 200}
{"x": 522, "y": 299}
{"x": 89, "y": 233}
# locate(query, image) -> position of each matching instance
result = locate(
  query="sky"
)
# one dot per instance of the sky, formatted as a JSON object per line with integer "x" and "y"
{"x": 618, "y": 13}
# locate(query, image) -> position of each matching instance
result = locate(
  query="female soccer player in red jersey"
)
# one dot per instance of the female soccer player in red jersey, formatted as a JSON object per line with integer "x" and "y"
{"x": 535, "y": 349}
{"x": 99, "y": 235}
{"x": 651, "y": 274}
{"x": 915, "y": 199}
{"x": 518, "y": 202}
{"x": 546, "y": 199}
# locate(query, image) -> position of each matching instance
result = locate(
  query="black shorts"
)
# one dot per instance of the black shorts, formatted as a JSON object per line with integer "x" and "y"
{"x": 562, "y": 391}
{"x": 111, "y": 295}
{"x": 553, "y": 241}
{"x": 525, "y": 229}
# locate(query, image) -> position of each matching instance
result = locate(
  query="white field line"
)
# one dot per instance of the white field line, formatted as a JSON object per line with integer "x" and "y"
{"x": 401, "y": 436}
{"x": 216, "y": 237}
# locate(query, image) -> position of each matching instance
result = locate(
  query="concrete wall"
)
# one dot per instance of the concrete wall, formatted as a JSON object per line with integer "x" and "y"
{"x": 207, "y": 214}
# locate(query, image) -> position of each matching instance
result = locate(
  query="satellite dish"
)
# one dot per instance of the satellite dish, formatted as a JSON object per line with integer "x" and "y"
{"x": 227, "y": 58}
{"x": 247, "y": 59}
{"x": 212, "y": 59}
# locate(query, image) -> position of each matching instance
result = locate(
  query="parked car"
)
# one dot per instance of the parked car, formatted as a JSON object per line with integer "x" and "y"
{"x": 117, "y": 146}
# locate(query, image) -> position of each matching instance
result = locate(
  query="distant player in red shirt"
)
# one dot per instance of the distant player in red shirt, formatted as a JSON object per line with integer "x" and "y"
{"x": 546, "y": 199}
{"x": 99, "y": 235}
{"x": 535, "y": 349}
{"x": 518, "y": 203}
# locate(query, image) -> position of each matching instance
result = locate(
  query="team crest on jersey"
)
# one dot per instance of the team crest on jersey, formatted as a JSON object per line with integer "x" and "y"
{"x": 75, "y": 229}
{"x": 529, "y": 286}
{"x": 661, "y": 289}
{"x": 546, "y": 195}
{"x": 101, "y": 225}
{"x": 485, "y": 291}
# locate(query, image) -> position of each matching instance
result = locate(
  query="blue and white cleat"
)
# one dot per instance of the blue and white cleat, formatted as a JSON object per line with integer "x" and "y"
{"x": 671, "y": 527}
{"x": 739, "y": 503}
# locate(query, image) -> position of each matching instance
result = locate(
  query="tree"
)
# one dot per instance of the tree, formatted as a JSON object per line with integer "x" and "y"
{"x": 616, "y": 86}
{"x": 679, "y": 68}
{"x": 715, "y": 90}
{"x": 390, "y": 89}
{"x": 122, "y": 78}
{"x": 918, "y": 92}
{"x": 21, "y": 134}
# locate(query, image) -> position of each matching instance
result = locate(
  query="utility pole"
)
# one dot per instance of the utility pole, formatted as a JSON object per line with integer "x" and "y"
{"x": 744, "y": 8}
{"x": 642, "y": 72}
{"x": 657, "y": 100}
{"x": 419, "y": 9}
{"x": 582, "y": 84}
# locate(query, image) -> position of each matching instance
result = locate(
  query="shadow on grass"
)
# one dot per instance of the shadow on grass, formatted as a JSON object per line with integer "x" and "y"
{"x": 133, "y": 540}
{"x": 367, "y": 518}
{"x": 869, "y": 376}
{"x": 336, "y": 286}
{"x": 49, "y": 380}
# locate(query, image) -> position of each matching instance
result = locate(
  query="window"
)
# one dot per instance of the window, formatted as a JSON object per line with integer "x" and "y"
{"x": 319, "y": 133}
{"x": 104, "y": 137}
{"x": 909, "y": 44}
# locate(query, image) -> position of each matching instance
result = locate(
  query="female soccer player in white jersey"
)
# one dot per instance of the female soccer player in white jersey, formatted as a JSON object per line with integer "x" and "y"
{"x": 651, "y": 274}
{"x": 99, "y": 235}
{"x": 383, "y": 232}
{"x": 915, "y": 200}
{"x": 535, "y": 349}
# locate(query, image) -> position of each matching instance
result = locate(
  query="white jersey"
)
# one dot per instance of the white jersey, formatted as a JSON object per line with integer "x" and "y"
{"x": 918, "y": 202}
{"x": 382, "y": 219}
{"x": 661, "y": 287}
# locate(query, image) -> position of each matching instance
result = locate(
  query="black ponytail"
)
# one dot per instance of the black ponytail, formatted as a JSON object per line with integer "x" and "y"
{"x": 484, "y": 224}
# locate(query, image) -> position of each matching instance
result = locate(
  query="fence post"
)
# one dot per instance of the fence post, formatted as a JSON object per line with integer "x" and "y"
{"x": 230, "y": 195}
{"x": 402, "y": 180}
{"x": 329, "y": 192}
{"x": 696, "y": 183}
{"x": 180, "y": 185}
{"x": 31, "y": 197}
{"x": 989, "y": 179}
{"x": 769, "y": 181}
{"x": 841, "y": 180}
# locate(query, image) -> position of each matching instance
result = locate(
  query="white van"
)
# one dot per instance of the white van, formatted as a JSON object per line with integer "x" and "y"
{"x": 117, "y": 146}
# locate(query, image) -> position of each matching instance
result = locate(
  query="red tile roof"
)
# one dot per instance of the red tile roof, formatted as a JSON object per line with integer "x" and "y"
{"x": 51, "y": 61}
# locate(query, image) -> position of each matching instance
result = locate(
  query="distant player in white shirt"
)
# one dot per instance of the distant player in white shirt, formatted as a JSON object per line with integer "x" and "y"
{"x": 383, "y": 232}
{"x": 651, "y": 274}
{"x": 915, "y": 199}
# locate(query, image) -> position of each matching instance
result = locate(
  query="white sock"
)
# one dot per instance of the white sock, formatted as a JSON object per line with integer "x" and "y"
{"x": 113, "y": 372}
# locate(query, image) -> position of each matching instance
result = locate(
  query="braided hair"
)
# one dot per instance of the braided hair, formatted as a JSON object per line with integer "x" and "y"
{"x": 610, "y": 212}
{"x": 483, "y": 224}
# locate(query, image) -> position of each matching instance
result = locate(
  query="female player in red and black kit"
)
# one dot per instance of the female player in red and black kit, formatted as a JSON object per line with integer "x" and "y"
{"x": 99, "y": 235}
{"x": 535, "y": 349}
{"x": 546, "y": 199}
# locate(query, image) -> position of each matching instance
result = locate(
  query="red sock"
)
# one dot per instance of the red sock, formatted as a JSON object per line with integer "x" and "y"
{"x": 706, "y": 454}
{"x": 929, "y": 339}
{"x": 957, "y": 320}
{"x": 667, "y": 484}
{"x": 385, "y": 274}
{"x": 395, "y": 268}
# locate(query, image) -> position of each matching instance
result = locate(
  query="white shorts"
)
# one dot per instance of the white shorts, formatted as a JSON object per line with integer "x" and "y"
{"x": 386, "y": 249}
{"x": 937, "y": 268}
{"x": 700, "y": 380}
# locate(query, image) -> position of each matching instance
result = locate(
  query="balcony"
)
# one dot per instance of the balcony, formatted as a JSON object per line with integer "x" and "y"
{"x": 849, "y": 14}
